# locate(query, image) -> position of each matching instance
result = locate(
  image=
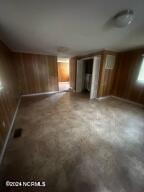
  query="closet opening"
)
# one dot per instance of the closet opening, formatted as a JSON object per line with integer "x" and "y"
{"x": 88, "y": 75}
{"x": 87, "y": 78}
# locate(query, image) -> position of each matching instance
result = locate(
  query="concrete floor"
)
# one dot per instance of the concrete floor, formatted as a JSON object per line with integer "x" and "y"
{"x": 77, "y": 145}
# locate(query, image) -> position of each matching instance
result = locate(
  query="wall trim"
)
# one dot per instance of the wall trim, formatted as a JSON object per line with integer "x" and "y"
{"x": 121, "y": 99}
{"x": 9, "y": 132}
{"x": 42, "y": 93}
{"x": 128, "y": 101}
{"x": 35, "y": 52}
{"x": 101, "y": 98}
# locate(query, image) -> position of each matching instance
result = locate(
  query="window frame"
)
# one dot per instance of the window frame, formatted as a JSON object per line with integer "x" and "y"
{"x": 139, "y": 73}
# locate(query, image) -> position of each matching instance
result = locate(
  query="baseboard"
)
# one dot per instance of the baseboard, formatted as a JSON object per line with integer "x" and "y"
{"x": 9, "y": 132}
{"x": 128, "y": 101}
{"x": 121, "y": 99}
{"x": 42, "y": 93}
{"x": 101, "y": 98}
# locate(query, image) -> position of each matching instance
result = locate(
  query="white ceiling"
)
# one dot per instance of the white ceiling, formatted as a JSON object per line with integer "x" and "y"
{"x": 75, "y": 26}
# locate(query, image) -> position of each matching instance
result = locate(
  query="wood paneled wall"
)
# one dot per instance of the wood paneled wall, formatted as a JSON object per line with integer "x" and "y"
{"x": 9, "y": 93}
{"x": 63, "y": 72}
{"x": 73, "y": 70}
{"x": 121, "y": 81}
{"x": 36, "y": 73}
{"x": 106, "y": 76}
{"x": 127, "y": 70}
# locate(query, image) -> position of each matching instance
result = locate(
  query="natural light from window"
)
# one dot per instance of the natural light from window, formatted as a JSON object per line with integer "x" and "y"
{"x": 141, "y": 73}
{"x": 1, "y": 85}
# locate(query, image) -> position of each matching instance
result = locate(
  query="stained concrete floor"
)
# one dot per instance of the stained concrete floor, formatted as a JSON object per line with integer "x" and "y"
{"x": 77, "y": 145}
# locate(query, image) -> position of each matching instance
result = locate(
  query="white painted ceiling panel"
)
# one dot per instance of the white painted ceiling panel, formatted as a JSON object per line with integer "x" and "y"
{"x": 43, "y": 26}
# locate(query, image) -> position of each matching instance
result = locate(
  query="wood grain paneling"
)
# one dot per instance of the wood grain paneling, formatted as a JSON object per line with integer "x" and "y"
{"x": 63, "y": 72}
{"x": 127, "y": 70}
{"x": 9, "y": 93}
{"x": 106, "y": 76}
{"x": 36, "y": 73}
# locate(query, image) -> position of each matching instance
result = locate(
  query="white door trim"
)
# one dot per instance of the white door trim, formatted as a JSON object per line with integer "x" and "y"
{"x": 79, "y": 76}
{"x": 95, "y": 77}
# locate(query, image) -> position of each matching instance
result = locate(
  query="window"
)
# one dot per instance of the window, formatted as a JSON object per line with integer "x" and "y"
{"x": 1, "y": 85}
{"x": 141, "y": 72}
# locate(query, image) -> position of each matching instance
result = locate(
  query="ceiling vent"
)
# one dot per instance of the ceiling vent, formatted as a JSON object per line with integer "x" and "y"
{"x": 110, "y": 62}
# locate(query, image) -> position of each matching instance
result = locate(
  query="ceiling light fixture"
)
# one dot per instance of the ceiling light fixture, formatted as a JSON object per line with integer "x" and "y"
{"x": 62, "y": 49}
{"x": 124, "y": 18}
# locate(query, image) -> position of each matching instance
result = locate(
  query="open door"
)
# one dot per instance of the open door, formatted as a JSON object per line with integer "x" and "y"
{"x": 95, "y": 77}
{"x": 63, "y": 74}
{"x": 79, "y": 78}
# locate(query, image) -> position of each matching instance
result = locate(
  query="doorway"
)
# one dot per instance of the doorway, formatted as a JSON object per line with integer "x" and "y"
{"x": 88, "y": 76}
{"x": 63, "y": 74}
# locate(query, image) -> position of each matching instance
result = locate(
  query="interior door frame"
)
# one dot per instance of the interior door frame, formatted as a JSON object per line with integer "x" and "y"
{"x": 79, "y": 76}
{"x": 95, "y": 77}
{"x": 80, "y": 73}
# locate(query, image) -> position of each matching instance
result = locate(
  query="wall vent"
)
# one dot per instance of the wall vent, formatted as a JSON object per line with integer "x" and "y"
{"x": 110, "y": 62}
{"x": 17, "y": 133}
